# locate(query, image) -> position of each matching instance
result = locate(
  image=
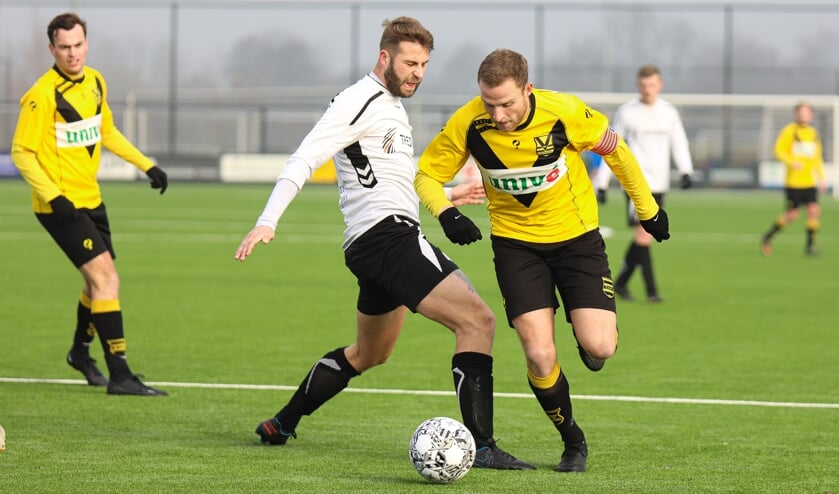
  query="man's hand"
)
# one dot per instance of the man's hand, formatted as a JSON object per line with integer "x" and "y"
{"x": 658, "y": 226}
{"x": 601, "y": 196}
{"x": 158, "y": 178}
{"x": 686, "y": 181}
{"x": 63, "y": 209}
{"x": 470, "y": 193}
{"x": 259, "y": 234}
{"x": 458, "y": 228}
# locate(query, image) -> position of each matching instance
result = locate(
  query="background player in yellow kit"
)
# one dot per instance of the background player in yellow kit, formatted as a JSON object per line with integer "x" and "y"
{"x": 64, "y": 122}
{"x": 799, "y": 148}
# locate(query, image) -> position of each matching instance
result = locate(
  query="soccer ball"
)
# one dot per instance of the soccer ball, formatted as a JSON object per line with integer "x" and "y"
{"x": 442, "y": 450}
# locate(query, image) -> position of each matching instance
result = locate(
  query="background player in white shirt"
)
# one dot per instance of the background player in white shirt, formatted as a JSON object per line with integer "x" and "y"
{"x": 366, "y": 130}
{"x": 653, "y": 130}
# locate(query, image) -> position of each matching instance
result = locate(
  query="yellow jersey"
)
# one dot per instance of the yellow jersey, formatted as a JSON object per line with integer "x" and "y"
{"x": 538, "y": 188}
{"x": 800, "y": 144}
{"x": 64, "y": 123}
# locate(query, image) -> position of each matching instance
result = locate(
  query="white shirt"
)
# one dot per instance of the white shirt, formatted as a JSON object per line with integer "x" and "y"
{"x": 366, "y": 131}
{"x": 654, "y": 132}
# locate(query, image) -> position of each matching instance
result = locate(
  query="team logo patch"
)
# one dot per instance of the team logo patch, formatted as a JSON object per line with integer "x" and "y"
{"x": 608, "y": 287}
{"x": 87, "y": 243}
{"x": 556, "y": 416}
{"x": 116, "y": 346}
{"x": 389, "y": 142}
{"x": 544, "y": 145}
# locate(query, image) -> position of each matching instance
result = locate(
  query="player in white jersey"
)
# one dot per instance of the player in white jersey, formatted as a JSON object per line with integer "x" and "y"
{"x": 366, "y": 130}
{"x": 653, "y": 130}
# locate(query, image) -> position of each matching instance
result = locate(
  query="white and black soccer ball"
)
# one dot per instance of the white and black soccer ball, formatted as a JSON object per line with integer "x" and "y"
{"x": 442, "y": 449}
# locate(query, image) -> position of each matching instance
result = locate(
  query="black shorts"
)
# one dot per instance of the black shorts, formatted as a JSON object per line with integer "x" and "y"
{"x": 529, "y": 275}
{"x": 632, "y": 216}
{"x": 84, "y": 238}
{"x": 395, "y": 265}
{"x": 796, "y": 198}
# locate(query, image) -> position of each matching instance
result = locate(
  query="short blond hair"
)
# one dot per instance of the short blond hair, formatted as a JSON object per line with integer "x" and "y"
{"x": 502, "y": 65}
{"x": 648, "y": 71}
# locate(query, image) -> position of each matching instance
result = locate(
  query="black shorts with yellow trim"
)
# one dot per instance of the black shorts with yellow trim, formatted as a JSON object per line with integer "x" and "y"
{"x": 395, "y": 265}
{"x": 530, "y": 274}
{"x": 83, "y": 238}
{"x": 795, "y": 198}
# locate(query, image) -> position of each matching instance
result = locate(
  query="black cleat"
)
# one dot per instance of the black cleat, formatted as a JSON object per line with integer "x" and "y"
{"x": 271, "y": 432}
{"x": 132, "y": 385}
{"x": 87, "y": 366}
{"x": 654, "y": 299}
{"x": 623, "y": 293}
{"x": 573, "y": 458}
{"x": 811, "y": 251}
{"x": 593, "y": 364}
{"x": 491, "y": 456}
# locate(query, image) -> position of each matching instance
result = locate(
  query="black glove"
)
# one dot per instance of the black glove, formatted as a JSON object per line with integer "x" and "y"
{"x": 63, "y": 210}
{"x": 601, "y": 196}
{"x": 686, "y": 182}
{"x": 458, "y": 228}
{"x": 658, "y": 226}
{"x": 158, "y": 178}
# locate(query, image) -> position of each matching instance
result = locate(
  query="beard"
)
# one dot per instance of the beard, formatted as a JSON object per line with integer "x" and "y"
{"x": 394, "y": 84}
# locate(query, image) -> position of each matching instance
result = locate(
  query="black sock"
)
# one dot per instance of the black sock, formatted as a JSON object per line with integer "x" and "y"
{"x": 646, "y": 263}
{"x": 106, "y": 317}
{"x": 472, "y": 372}
{"x": 776, "y": 227}
{"x": 811, "y": 237}
{"x": 630, "y": 260}
{"x": 554, "y": 395}
{"x": 327, "y": 378}
{"x": 85, "y": 331}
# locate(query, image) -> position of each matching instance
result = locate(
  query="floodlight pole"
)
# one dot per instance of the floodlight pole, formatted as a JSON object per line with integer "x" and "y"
{"x": 173, "y": 78}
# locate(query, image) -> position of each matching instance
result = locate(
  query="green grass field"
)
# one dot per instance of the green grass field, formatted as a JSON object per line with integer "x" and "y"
{"x": 731, "y": 385}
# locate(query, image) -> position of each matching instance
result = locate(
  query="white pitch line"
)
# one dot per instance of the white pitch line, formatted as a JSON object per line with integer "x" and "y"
{"x": 274, "y": 387}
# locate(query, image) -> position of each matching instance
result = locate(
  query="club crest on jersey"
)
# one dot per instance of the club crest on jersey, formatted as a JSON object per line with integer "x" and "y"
{"x": 544, "y": 145}
{"x": 519, "y": 181}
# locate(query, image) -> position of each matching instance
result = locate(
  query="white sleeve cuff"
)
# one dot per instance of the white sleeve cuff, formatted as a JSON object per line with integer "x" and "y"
{"x": 284, "y": 192}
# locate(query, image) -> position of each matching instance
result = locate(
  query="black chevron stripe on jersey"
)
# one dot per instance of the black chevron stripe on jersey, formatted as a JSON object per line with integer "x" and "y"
{"x": 66, "y": 110}
{"x": 362, "y": 166}
{"x": 484, "y": 154}
{"x": 366, "y": 104}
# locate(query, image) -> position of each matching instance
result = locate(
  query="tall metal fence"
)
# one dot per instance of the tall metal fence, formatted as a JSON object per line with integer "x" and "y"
{"x": 191, "y": 79}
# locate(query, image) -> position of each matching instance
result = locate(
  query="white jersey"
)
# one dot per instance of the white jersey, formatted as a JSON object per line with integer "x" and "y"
{"x": 654, "y": 133}
{"x": 366, "y": 131}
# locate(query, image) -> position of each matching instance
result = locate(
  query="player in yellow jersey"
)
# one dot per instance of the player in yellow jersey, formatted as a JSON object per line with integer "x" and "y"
{"x": 799, "y": 148}
{"x": 64, "y": 122}
{"x": 527, "y": 143}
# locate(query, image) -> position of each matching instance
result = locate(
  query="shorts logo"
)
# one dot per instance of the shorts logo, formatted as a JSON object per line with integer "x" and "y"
{"x": 608, "y": 287}
{"x": 87, "y": 243}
